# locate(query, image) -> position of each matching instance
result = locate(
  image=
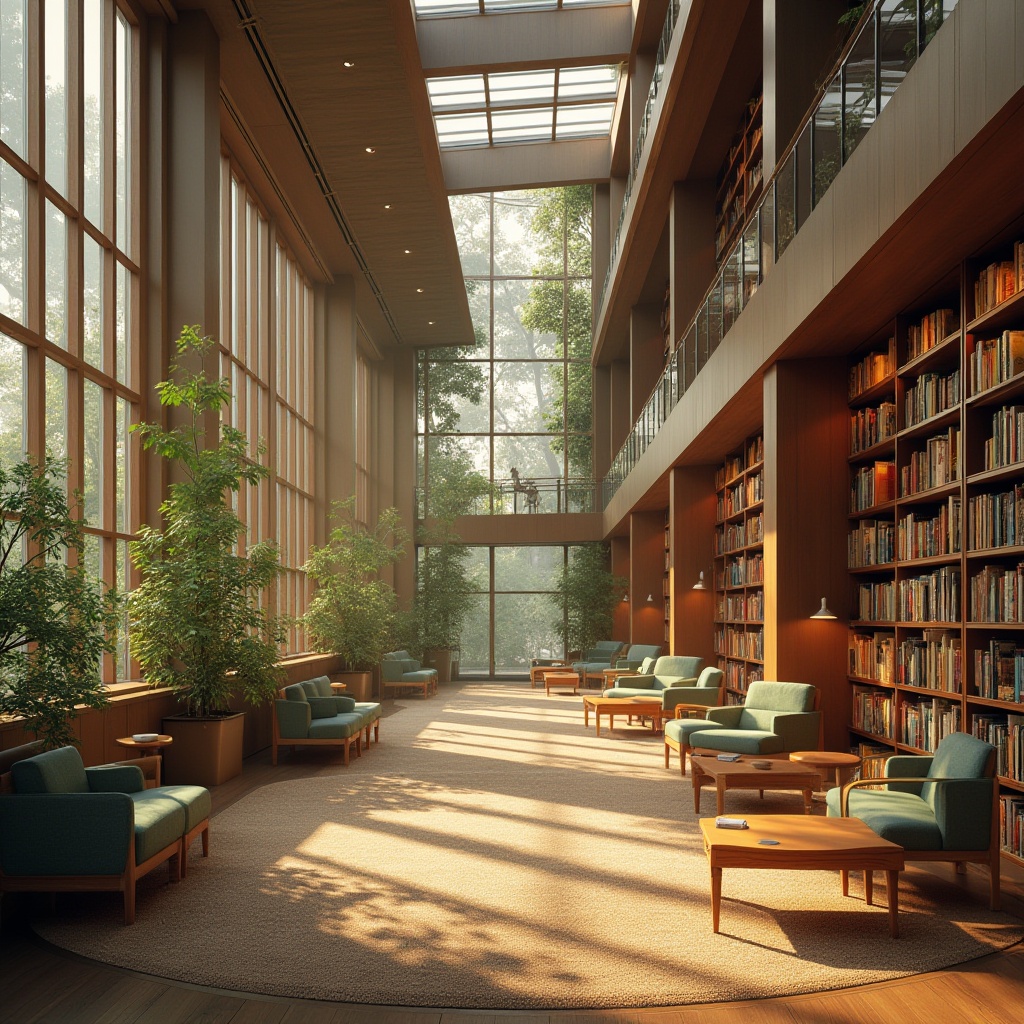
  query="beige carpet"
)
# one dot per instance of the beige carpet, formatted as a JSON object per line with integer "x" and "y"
{"x": 492, "y": 853}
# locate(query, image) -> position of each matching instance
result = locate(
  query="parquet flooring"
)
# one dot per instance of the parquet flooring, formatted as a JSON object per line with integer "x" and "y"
{"x": 39, "y": 983}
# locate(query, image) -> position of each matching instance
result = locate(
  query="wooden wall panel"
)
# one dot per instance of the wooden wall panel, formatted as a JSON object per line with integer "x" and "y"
{"x": 692, "y": 525}
{"x": 620, "y": 566}
{"x": 646, "y": 572}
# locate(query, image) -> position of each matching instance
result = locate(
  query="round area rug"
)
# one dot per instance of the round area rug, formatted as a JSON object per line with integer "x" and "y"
{"x": 492, "y": 853}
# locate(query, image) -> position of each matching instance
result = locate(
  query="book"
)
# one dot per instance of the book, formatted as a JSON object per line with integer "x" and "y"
{"x": 723, "y": 822}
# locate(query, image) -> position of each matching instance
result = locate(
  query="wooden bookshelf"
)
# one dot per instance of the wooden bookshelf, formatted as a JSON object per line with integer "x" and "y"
{"x": 936, "y": 637}
{"x": 740, "y": 179}
{"x": 739, "y": 567}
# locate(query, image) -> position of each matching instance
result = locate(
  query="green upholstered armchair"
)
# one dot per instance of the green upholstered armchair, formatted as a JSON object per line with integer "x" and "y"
{"x": 636, "y": 655}
{"x": 66, "y": 827}
{"x": 601, "y": 655}
{"x": 669, "y": 672}
{"x": 398, "y": 670}
{"x": 937, "y": 807}
{"x": 707, "y": 691}
{"x": 303, "y": 717}
{"x": 775, "y": 718}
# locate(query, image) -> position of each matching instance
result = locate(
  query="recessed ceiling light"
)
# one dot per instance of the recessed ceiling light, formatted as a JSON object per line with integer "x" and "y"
{"x": 430, "y": 322}
{"x": 387, "y": 206}
{"x": 407, "y": 251}
{"x": 419, "y": 291}
{"x": 370, "y": 149}
{"x": 348, "y": 64}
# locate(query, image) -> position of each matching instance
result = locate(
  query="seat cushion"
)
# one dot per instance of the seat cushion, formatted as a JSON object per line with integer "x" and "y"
{"x": 54, "y": 771}
{"x": 679, "y": 730}
{"x": 902, "y": 818}
{"x": 159, "y": 821}
{"x": 422, "y": 675}
{"x": 737, "y": 741}
{"x": 195, "y": 800}
{"x": 368, "y": 711}
{"x": 340, "y": 727}
{"x": 633, "y": 691}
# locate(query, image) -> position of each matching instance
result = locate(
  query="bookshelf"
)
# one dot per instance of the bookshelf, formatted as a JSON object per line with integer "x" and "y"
{"x": 936, "y": 524}
{"x": 739, "y": 568}
{"x": 739, "y": 180}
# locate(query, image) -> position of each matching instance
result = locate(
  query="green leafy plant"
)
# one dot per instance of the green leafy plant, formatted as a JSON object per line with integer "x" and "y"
{"x": 196, "y": 621}
{"x": 353, "y": 610}
{"x": 55, "y": 621}
{"x": 585, "y": 594}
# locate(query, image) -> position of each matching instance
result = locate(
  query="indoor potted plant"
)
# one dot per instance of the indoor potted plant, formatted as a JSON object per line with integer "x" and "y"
{"x": 353, "y": 610}
{"x": 55, "y": 621}
{"x": 196, "y": 622}
{"x": 585, "y": 595}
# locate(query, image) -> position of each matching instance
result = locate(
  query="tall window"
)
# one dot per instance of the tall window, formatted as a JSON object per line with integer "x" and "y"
{"x": 266, "y": 344}
{"x": 69, "y": 261}
{"x": 364, "y": 381}
{"x": 518, "y": 403}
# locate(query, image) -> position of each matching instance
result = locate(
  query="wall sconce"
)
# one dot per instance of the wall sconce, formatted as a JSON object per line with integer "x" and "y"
{"x": 625, "y": 598}
{"x": 823, "y": 612}
{"x": 700, "y": 584}
{"x": 650, "y": 599}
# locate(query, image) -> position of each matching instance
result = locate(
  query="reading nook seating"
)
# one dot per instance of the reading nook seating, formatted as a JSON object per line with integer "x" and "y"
{"x": 602, "y": 655}
{"x": 775, "y": 719}
{"x": 669, "y": 672}
{"x": 68, "y": 828}
{"x": 400, "y": 670}
{"x": 309, "y": 714}
{"x": 636, "y": 655}
{"x": 953, "y": 816}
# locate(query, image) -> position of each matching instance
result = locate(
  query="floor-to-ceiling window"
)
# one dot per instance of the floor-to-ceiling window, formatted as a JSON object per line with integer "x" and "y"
{"x": 515, "y": 409}
{"x": 70, "y": 261}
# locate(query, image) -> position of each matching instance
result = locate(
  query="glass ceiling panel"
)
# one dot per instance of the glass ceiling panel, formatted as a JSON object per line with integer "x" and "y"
{"x": 461, "y": 130}
{"x": 459, "y": 92}
{"x": 439, "y": 8}
{"x": 517, "y": 87}
{"x": 443, "y": 8}
{"x": 592, "y": 119}
{"x": 521, "y": 125}
{"x": 588, "y": 83}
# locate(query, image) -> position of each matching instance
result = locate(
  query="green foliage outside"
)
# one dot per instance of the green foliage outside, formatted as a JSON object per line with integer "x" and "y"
{"x": 55, "y": 623}
{"x": 352, "y": 612}
{"x": 196, "y": 620}
{"x": 586, "y": 594}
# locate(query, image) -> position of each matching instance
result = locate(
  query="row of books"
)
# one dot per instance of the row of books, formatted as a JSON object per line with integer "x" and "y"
{"x": 873, "y": 711}
{"x": 871, "y": 542}
{"x": 932, "y": 394}
{"x": 739, "y": 643}
{"x": 995, "y": 360}
{"x": 933, "y": 597}
{"x": 933, "y": 661}
{"x": 873, "y": 485}
{"x": 996, "y": 520}
{"x": 739, "y": 675}
{"x": 924, "y": 723}
{"x": 730, "y": 537}
{"x": 999, "y": 280}
{"x": 873, "y": 656}
{"x": 1006, "y": 445}
{"x": 918, "y": 537}
{"x": 872, "y": 369}
{"x": 732, "y": 500}
{"x": 755, "y": 450}
{"x": 1006, "y": 734}
{"x": 871, "y": 426}
{"x": 939, "y": 463}
{"x": 744, "y": 607}
{"x": 754, "y": 486}
{"x": 732, "y": 469}
{"x": 876, "y": 602}
{"x": 745, "y": 570}
{"x": 932, "y": 329}
{"x": 997, "y": 594}
{"x": 1011, "y": 824}
{"x": 999, "y": 670}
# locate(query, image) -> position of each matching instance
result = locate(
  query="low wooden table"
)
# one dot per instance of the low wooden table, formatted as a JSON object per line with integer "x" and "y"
{"x": 807, "y": 844}
{"x": 538, "y": 672}
{"x": 339, "y": 687}
{"x": 562, "y": 681}
{"x": 828, "y": 759}
{"x": 740, "y": 775}
{"x": 611, "y": 706}
{"x": 148, "y": 748}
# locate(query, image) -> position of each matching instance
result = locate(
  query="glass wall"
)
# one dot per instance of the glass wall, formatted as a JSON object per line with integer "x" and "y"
{"x": 69, "y": 262}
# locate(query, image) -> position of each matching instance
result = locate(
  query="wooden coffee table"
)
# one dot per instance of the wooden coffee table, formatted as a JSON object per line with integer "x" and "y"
{"x": 612, "y": 706}
{"x": 538, "y": 672}
{"x": 562, "y": 681}
{"x": 804, "y": 844}
{"x": 741, "y": 775}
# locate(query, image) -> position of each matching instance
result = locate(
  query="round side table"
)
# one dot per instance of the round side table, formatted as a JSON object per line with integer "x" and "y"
{"x": 834, "y": 759}
{"x": 146, "y": 748}
{"x": 339, "y": 687}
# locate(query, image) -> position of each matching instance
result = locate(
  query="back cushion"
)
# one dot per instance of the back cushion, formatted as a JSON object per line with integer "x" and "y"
{"x": 309, "y": 688}
{"x": 711, "y": 678}
{"x": 780, "y": 696}
{"x": 55, "y": 771}
{"x": 323, "y": 686}
{"x": 647, "y": 667}
{"x": 960, "y": 756}
{"x": 295, "y": 692}
{"x": 677, "y": 667}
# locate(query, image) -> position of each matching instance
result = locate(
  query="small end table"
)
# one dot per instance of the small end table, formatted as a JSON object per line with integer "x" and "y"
{"x": 339, "y": 687}
{"x": 148, "y": 748}
{"x": 562, "y": 680}
{"x": 827, "y": 759}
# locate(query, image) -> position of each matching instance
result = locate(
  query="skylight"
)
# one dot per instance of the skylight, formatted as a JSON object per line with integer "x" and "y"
{"x": 450, "y": 8}
{"x": 504, "y": 107}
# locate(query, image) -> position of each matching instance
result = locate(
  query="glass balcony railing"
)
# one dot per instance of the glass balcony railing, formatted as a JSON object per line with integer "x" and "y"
{"x": 888, "y": 41}
{"x": 540, "y": 495}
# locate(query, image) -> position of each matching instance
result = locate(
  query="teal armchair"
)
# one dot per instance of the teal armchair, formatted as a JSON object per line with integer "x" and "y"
{"x": 602, "y": 655}
{"x": 305, "y": 717}
{"x": 400, "y": 670}
{"x": 775, "y": 719}
{"x": 669, "y": 672}
{"x": 66, "y": 827}
{"x": 937, "y": 807}
{"x": 636, "y": 655}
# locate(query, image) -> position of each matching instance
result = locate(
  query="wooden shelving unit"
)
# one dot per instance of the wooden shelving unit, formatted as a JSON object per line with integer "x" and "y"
{"x": 739, "y": 182}
{"x": 739, "y": 568}
{"x": 936, "y": 538}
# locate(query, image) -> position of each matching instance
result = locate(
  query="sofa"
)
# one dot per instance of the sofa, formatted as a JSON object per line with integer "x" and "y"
{"x": 400, "y": 670}
{"x": 309, "y": 714}
{"x": 65, "y": 827}
{"x": 669, "y": 672}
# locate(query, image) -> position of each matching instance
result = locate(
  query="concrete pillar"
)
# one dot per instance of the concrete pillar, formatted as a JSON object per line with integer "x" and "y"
{"x": 340, "y": 377}
{"x": 646, "y": 355}
{"x": 619, "y": 404}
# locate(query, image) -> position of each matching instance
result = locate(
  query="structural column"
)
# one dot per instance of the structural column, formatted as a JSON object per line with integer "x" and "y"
{"x": 340, "y": 383}
{"x": 691, "y": 249}
{"x": 691, "y": 515}
{"x": 646, "y": 574}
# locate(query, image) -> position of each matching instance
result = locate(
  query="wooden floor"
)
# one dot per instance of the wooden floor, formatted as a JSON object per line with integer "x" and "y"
{"x": 39, "y": 982}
